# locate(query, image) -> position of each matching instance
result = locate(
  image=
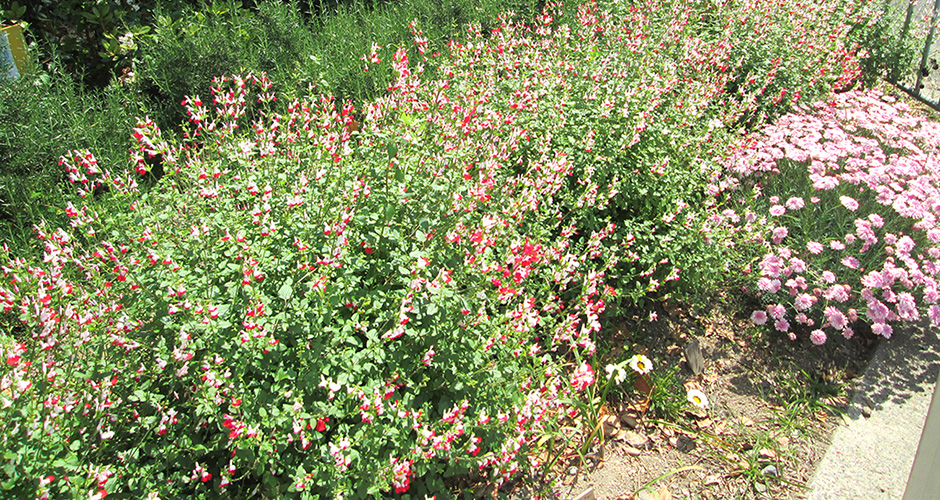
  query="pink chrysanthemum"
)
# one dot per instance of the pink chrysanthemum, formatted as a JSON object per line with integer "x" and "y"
{"x": 759, "y": 317}
{"x": 818, "y": 337}
{"x": 795, "y": 203}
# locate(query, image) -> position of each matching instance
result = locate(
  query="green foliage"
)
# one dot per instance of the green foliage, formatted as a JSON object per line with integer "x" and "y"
{"x": 43, "y": 116}
{"x": 189, "y": 47}
{"x": 667, "y": 398}
{"x": 92, "y": 38}
{"x": 891, "y": 48}
{"x": 14, "y": 12}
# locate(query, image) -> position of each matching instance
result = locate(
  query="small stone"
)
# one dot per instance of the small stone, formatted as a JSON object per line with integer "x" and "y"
{"x": 572, "y": 470}
{"x": 685, "y": 444}
{"x": 770, "y": 470}
{"x": 760, "y": 487}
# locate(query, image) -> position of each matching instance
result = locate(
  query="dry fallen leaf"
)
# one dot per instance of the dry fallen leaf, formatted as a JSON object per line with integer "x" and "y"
{"x": 633, "y": 452}
{"x": 662, "y": 494}
{"x": 698, "y": 413}
{"x": 691, "y": 384}
{"x": 633, "y": 438}
{"x": 629, "y": 420}
{"x": 768, "y": 453}
{"x": 643, "y": 385}
{"x": 719, "y": 428}
{"x": 611, "y": 425}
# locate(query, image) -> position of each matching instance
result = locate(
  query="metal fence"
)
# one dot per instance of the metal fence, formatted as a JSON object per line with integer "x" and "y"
{"x": 925, "y": 82}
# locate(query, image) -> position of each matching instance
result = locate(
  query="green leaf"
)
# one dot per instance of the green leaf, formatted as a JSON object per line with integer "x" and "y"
{"x": 286, "y": 290}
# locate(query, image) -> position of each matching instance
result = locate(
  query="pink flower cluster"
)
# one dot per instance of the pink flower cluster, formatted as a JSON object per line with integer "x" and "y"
{"x": 871, "y": 164}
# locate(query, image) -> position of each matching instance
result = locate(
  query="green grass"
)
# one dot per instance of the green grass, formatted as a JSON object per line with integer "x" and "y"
{"x": 667, "y": 399}
{"x": 805, "y": 394}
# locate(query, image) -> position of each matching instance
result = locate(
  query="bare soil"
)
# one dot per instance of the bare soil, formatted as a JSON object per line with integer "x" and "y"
{"x": 773, "y": 403}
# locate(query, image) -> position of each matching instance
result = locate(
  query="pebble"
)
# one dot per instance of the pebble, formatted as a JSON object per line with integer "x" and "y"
{"x": 770, "y": 470}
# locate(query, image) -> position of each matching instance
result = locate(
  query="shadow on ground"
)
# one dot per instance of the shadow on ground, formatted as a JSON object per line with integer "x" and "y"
{"x": 904, "y": 365}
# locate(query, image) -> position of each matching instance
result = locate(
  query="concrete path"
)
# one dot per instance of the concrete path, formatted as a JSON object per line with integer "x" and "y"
{"x": 871, "y": 453}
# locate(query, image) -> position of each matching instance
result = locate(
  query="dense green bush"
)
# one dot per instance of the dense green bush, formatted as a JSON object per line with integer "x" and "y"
{"x": 150, "y": 72}
{"x": 91, "y": 38}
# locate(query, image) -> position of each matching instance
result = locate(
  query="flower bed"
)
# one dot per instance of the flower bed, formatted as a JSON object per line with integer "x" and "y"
{"x": 314, "y": 293}
{"x": 848, "y": 195}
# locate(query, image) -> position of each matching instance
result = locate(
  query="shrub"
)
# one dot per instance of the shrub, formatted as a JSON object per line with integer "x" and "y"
{"x": 44, "y": 116}
{"x": 93, "y": 39}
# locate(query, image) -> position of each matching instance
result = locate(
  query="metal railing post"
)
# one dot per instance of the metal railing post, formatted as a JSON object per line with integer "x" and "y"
{"x": 926, "y": 54}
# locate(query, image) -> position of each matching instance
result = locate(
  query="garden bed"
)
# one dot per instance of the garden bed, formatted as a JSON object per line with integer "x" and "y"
{"x": 482, "y": 272}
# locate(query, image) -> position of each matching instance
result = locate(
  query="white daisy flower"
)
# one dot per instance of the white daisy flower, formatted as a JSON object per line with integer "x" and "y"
{"x": 697, "y": 398}
{"x": 641, "y": 364}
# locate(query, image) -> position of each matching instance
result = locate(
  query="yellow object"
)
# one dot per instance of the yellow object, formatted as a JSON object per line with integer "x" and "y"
{"x": 17, "y": 44}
